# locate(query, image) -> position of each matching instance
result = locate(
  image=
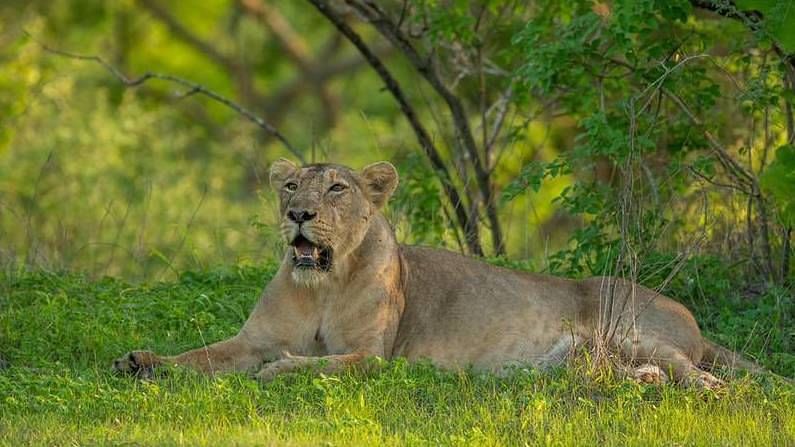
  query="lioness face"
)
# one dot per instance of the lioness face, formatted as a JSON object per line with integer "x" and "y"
{"x": 326, "y": 210}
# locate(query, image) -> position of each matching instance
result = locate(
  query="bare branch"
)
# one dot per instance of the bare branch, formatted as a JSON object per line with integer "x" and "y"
{"x": 192, "y": 89}
{"x": 464, "y": 219}
{"x": 698, "y": 174}
{"x": 426, "y": 67}
{"x": 502, "y": 111}
{"x": 730, "y": 164}
{"x": 741, "y": 175}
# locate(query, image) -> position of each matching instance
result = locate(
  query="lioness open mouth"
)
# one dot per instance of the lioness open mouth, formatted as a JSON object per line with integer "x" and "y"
{"x": 308, "y": 255}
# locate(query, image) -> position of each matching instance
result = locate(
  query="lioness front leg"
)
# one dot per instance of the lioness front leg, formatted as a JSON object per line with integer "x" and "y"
{"x": 234, "y": 354}
{"x": 328, "y": 364}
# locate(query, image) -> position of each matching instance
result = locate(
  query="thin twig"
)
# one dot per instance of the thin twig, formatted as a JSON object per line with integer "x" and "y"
{"x": 193, "y": 88}
{"x": 425, "y": 65}
{"x": 235, "y": 68}
{"x": 463, "y": 218}
{"x": 502, "y": 111}
{"x": 695, "y": 172}
{"x": 732, "y": 167}
{"x": 752, "y": 19}
{"x": 740, "y": 174}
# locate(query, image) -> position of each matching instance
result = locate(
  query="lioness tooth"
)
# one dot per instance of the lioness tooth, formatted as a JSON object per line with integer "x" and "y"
{"x": 315, "y": 252}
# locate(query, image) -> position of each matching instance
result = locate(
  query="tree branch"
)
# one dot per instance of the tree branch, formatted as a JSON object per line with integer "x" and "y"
{"x": 426, "y": 67}
{"x": 464, "y": 219}
{"x": 287, "y": 92}
{"x": 192, "y": 89}
{"x": 296, "y": 50}
{"x": 752, "y": 19}
{"x": 291, "y": 42}
{"x": 502, "y": 111}
{"x": 182, "y": 33}
{"x": 237, "y": 71}
{"x": 741, "y": 175}
{"x": 734, "y": 169}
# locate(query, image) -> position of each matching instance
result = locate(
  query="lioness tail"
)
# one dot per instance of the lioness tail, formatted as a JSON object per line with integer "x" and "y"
{"x": 717, "y": 355}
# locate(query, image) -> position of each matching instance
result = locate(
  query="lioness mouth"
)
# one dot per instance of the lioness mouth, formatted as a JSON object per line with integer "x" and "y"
{"x": 307, "y": 255}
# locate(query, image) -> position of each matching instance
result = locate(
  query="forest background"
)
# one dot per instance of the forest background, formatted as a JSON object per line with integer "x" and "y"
{"x": 650, "y": 139}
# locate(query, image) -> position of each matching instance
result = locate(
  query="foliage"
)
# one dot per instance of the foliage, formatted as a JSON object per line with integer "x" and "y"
{"x": 638, "y": 75}
{"x": 779, "y": 180}
{"x": 60, "y": 379}
{"x": 416, "y": 210}
{"x": 531, "y": 176}
{"x": 779, "y": 16}
{"x": 589, "y": 120}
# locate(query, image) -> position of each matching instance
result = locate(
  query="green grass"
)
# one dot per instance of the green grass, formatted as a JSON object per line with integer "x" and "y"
{"x": 60, "y": 332}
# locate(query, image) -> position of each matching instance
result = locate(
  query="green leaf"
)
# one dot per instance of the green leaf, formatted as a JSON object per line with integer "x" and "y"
{"x": 530, "y": 177}
{"x": 778, "y": 180}
{"x": 779, "y": 19}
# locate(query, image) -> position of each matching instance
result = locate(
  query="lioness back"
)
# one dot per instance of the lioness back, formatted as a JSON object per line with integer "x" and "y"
{"x": 461, "y": 311}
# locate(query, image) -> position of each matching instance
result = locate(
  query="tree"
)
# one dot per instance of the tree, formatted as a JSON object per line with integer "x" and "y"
{"x": 666, "y": 126}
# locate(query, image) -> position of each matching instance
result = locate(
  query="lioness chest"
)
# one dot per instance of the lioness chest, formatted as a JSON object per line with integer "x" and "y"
{"x": 324, "y": 328}
{"x": 327, "y": 321}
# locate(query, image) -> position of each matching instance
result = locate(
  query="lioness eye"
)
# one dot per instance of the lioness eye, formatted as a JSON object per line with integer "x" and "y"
{"x": 337, "y": 187}
{"x": 291, "y": 186}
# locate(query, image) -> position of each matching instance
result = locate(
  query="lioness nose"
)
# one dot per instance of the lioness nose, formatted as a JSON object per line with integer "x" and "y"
{"x": 299, "y": 216}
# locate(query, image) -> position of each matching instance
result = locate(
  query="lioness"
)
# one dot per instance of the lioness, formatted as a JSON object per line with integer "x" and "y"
{"x": 346, "y": 290}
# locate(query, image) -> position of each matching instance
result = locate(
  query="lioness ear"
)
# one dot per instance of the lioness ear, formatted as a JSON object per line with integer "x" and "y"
{"x": 380, "y": 181}
{"x": 280, "y": 170}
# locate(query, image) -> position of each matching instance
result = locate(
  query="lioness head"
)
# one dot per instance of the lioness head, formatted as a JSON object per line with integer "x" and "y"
{"x": 326, "y": 211}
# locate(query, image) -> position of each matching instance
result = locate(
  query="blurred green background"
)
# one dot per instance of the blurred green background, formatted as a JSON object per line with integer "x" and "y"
{"x": 591, "y": 160}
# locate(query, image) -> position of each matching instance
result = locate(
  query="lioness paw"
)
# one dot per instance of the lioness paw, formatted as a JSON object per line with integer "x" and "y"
{"x": 705, "y": 380}
{"x": 286, "y": 364}
{"x": 650, "y": 374}
{"x": 140, "y": 364}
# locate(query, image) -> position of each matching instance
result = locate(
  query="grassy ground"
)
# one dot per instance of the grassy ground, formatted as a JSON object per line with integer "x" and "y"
{"x": 60, "y": 333}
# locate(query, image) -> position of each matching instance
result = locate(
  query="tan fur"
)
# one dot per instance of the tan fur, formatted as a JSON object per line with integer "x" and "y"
{"x": 387, "y": 300}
